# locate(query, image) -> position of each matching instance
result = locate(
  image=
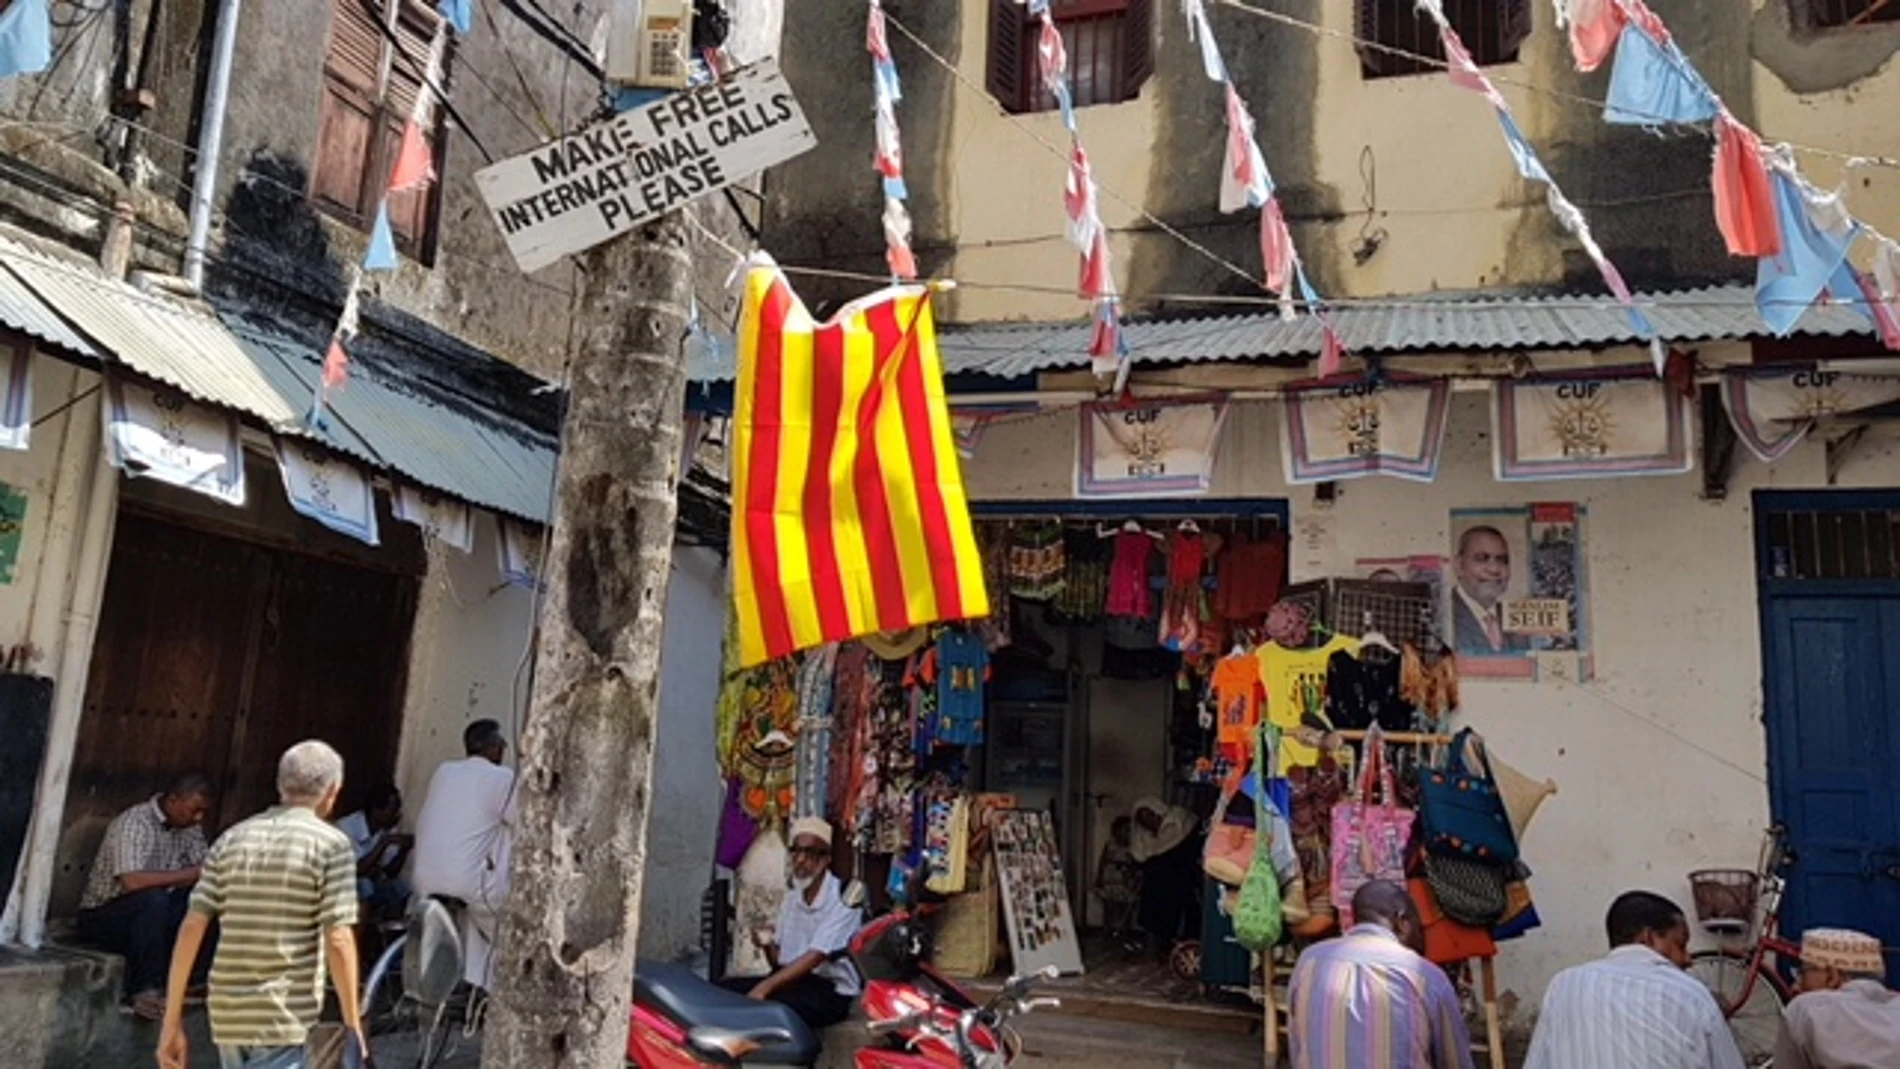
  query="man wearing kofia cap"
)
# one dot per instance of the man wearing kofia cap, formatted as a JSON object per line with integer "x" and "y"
{"x": 1844, "y": 1018}
{"x": 813, "y": 924}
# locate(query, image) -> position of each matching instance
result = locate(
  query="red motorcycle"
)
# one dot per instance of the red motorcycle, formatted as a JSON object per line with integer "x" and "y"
{"x": 919, "y": 1018}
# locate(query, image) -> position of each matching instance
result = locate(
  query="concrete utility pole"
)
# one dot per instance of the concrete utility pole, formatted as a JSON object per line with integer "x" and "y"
{"x": 563, "y": 972}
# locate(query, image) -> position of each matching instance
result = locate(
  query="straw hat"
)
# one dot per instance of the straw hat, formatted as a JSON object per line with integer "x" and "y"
{"x": 895, "y": 645}
{"x": 1522, "y": 795}
{"x": 1843, "y": 949}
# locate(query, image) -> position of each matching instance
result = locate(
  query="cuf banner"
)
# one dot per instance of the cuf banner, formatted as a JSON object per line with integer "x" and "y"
{"x": 848, "y": 512}
{"x": 1772, "y": 409}
{"x": 1590, "y": 424}
{"x": 1346, "y": 429}
{"x": 1148, "y": 448}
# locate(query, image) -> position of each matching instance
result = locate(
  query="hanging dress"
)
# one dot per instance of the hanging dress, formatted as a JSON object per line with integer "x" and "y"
{"x": 1128, "y": 575}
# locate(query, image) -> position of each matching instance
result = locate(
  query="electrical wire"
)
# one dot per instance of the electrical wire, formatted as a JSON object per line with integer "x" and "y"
{"x": 422, "y": 76}
{"x": 1063, "y": 155}
{"x": 1595, "y": 103}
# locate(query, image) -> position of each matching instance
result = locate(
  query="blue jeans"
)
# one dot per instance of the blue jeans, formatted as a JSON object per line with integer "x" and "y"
{"x": 261, "y": 1057}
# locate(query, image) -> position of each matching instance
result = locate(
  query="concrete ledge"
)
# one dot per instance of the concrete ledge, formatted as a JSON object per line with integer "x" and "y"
{"x": 60, "y": 1007}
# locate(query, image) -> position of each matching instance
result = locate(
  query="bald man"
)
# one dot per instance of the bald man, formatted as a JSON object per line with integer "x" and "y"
{"x": 1370, "y": 1000}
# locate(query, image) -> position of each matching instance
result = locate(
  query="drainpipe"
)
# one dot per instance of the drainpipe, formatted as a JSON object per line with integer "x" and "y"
{"x": 204, "y": 183}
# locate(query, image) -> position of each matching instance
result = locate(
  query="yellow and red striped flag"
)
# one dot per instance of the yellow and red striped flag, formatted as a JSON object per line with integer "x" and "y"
{"x": 848, "y": 513}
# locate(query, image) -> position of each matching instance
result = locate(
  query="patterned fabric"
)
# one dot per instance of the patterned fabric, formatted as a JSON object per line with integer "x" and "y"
{"x": 879, "y": 539}
{"x": 812, "y": 754}
{"x": 1085, "y": 586}
{"x": 1635, "y": 1010}
{"x": 137, "y": 840}
{"x": 1037, "y": 561}
{"x": 1364, "y": 1001}
{"x": 890, "y": 766}
{"x": 855, "y": 683}
{"x": 994, "y": 628}
{"x": 275, "y": 884}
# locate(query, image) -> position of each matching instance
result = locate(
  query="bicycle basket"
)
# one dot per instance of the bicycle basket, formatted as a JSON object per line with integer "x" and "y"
{"x": 1725, "y": 899}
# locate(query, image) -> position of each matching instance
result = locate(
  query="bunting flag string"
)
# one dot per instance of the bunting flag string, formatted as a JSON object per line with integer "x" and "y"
{"x": 414, "y": 167}
{"x": 1108, "y": 345}
{"x": 887, "y": 91}
{"x": 1247, "y": 183}
{"x": 1465, "y": 73}
{"x": 1765, "y": 208}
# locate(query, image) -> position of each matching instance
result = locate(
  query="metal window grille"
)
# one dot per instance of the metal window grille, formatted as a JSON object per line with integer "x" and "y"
{"x": 1834, "y": 545}
{"x": 1492, "y": 30}
{"x": 1840, "y": 14}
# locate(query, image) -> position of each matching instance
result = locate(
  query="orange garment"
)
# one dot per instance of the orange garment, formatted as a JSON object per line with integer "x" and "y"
{"x": 1447, "y": 942}
{"x": 1237, "y": 689}
{"x": 1744, "y": 200}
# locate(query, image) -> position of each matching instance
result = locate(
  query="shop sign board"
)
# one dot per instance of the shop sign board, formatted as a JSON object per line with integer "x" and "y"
{"x": 577, "y": 192}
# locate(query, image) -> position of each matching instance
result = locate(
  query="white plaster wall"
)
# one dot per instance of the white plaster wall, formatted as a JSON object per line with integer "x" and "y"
{"x": 470, "y": 636}
{"x": 687, "y": 792}
{"x": 1660, "y": 759}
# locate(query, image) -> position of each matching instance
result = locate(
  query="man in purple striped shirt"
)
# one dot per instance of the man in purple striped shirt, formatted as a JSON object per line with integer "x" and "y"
{"x": 1368, "y": 1000}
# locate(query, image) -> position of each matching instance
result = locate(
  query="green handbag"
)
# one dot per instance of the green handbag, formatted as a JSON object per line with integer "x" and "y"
{"x": 1257, "y": 917}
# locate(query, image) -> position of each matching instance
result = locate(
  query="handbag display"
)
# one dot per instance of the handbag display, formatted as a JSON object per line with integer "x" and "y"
{"x": 1470, "y": 892}
{"x": 1230, "y": 849}
{"x": 1368, "y": 839}
{"x": 1258, "y": 920}
{"x": 1463, "y": 811}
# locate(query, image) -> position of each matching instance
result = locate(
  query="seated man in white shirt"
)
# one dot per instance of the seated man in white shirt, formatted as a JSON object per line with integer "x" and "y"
{"x": 814, "y": 923}
{"x": 464, "y": 838}
{"x": 1637, "y": 1008}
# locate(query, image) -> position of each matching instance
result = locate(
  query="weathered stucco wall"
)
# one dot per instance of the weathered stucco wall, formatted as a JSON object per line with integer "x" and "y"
{"x": 1415, "y": 157}
{"x": 470, "y": 637}
{"x": 1661, "y": 758}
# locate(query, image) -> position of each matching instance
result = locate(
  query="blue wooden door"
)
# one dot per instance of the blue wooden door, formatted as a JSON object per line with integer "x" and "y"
{"x": 1834, "y": 755}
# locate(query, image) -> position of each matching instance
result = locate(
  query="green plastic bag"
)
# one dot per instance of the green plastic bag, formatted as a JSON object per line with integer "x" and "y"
{"x": 1257, "y": 917}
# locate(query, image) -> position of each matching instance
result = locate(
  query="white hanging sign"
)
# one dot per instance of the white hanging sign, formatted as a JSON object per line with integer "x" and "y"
{"x": 577, "y": 192}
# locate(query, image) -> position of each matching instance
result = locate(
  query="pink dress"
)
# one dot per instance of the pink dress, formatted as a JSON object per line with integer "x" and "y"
{"x": 1128, "y": 575}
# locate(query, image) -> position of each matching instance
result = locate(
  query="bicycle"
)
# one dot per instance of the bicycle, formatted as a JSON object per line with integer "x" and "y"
{"x": 1750, "y": 982}
{"x": 409, "y": 997}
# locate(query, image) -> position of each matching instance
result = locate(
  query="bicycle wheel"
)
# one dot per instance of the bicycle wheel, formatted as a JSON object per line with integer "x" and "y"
{"x": 1753, "y": 1011}
{"x": 404, "y": 1032}
{"x": 382, "y": 992}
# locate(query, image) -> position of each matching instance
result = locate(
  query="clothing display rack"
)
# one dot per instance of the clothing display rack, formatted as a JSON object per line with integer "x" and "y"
{"x": 1493, "y": 1045}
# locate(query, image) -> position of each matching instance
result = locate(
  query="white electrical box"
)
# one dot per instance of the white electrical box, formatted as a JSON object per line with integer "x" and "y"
{"x": 650, "y": 43}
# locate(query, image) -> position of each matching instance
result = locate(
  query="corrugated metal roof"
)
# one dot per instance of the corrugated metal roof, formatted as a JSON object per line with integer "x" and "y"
{"x": 22, "y": 309}
{"x": 1400, "y": 325}
{"x": 456, "y": 447}
{"x": 1424, "y": 324}
{"x": 439, "y": 445}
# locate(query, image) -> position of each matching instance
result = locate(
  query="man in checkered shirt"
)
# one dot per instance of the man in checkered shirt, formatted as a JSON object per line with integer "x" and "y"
{"x": 140, "y": 885}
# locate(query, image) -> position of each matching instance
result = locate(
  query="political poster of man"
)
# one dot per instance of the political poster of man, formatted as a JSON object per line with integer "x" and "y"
{"x": 577, "y": 192}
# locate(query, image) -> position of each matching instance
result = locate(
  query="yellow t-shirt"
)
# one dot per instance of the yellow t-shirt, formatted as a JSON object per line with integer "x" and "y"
{"x": 1295, "y": 682}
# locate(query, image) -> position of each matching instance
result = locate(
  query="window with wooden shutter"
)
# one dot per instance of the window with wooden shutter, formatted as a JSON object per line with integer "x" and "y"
{"x": 1110, "y": 45}
{"x": 370, "y": 91}
{"x": 1404, "y": 40}
{"x": 1845, "y": 14}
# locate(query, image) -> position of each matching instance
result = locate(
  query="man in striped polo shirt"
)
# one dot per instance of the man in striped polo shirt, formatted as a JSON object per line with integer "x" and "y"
{"x": 282, "y": 887}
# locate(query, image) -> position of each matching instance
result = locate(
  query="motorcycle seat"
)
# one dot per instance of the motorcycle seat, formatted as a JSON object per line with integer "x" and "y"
{"x": 694, "y": 1004}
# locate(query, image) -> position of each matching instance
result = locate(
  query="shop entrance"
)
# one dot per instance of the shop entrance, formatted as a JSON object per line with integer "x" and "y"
{"x": 1830, "y": 581}
{"x": 1087, "y": 716}
{"x": 218, "y": 648}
